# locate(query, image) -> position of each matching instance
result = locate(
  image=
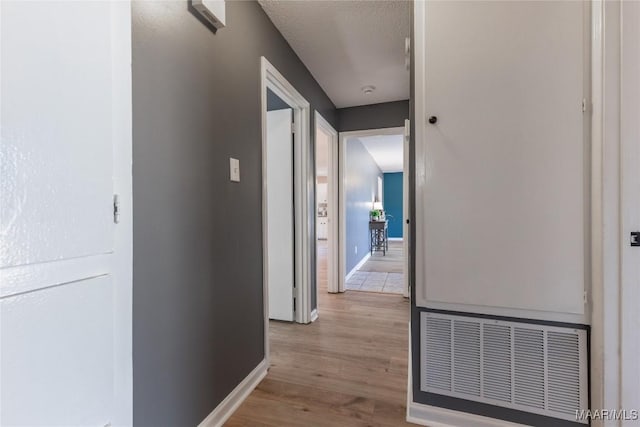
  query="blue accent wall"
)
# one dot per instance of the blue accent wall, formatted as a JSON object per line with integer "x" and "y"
{"x": 361, "y": 186}
{"x": 392, "y": 202}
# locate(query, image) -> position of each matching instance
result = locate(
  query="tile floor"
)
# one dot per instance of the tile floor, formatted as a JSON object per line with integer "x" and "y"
{"x": 374, "y": 281}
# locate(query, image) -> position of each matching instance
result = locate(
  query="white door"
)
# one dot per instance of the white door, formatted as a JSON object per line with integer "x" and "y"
{"x": 65, "y": 284}
{"x": 280, "y": 214}
{"x": 406, "y": 227}
{"x": 503, "y": 173}
{"x": 630, "y": 205}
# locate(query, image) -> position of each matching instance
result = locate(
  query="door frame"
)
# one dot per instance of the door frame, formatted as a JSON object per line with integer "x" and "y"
{"x": 123, "y": 235}
{"x": 343, "y": 137}
{"x": 271, "y": 78}
{"x": 332, "y": 211}
{"x": 615, "y": 206}
{"x": 406, "y": 207}
{"x": 630, "y": 203}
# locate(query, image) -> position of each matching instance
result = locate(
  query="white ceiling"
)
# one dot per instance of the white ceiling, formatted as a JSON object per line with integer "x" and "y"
{"x": 349, "y": 44}
{"x": 386, "y": 150}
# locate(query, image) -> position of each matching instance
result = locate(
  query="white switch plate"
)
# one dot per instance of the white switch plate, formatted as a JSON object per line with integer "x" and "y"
{"x": 234, "y": 169}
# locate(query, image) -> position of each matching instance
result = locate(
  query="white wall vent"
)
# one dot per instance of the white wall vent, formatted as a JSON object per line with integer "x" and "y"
{"x": 534, "y": 368}
{"x": 213, "y": 11}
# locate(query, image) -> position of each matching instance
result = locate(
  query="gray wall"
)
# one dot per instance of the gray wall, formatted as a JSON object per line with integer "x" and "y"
{"x": 274, "y": 102}
{"x": 361, "y": 186}
{"x": 374, "y": 116}
{"x": 197, "y": 289}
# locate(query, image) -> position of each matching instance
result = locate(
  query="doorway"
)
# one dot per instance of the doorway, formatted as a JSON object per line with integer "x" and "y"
{"x": 326, "y": 162}
{"x": 374, "y": 211}
{"x": 280, "y": 209}
{"x": 286, "y": 201}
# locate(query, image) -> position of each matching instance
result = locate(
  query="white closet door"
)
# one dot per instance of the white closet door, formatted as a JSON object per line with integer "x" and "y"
{"x": 502, "y": 171}
{"x": 66, "y": 104}
{"x": 280, "y": 229}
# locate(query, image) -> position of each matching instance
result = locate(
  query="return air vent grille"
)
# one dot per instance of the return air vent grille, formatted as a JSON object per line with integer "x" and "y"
{"x": 438, "y": 340}
{"x": 535, "y": 368}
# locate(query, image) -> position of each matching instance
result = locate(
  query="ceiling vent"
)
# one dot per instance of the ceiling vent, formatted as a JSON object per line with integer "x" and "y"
{"x": 534, "y": 368}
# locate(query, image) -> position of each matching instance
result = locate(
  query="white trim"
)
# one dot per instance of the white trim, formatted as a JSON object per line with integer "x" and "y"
{"x": 358, "y": 265}
{"x": 230, "y": 404}
{"x": 123, "y": 236}
{"x": 630, "y": 177}
{"x": 433, "y": 416}
{"x": 605, "y": 208}
{"x": 332, "y": 197}
{"x": 314, "y": 315}
{"x": 397, "y": 130}
{"x": 509, "y": 312}
{"x": 419, "y": 161}
{"x": 406, "y": 209}
{"x": 343, "y": 136}
{"x": 395, "y": 239}
{"x": 270, "y": 77}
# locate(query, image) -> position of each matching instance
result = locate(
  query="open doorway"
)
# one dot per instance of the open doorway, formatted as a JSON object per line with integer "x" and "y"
{"x": 326, "y": 162}
{"x": 280, "y": 208}
{"x": 374, "y": 211}
{"x": 287, "y": 241}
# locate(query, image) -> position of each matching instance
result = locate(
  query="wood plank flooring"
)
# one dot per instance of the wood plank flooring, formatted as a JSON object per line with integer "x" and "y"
{"x": 348, "y": 368}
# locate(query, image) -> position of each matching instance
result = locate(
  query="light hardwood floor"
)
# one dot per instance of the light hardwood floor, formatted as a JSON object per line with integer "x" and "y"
{"x": 348, "y": 368}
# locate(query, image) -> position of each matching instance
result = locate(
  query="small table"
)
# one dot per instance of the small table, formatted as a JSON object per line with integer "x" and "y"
{"x": 378, "y": 240}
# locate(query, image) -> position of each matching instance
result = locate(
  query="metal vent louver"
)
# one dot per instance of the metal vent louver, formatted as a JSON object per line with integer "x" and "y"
{"x": 535, "y": 368}
{"x": 439, "y": 342}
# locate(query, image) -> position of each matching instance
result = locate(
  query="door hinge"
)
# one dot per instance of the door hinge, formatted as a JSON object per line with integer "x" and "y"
{"x": 407, "y": 53}
{"x": 585, "y": 297}
{"x": 116, "y": 208}
{"x": 293, "y": 128}
{"x": 584, "y": 105}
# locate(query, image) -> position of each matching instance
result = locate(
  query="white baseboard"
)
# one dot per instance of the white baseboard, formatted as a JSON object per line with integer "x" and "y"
{"x": 228, "y": 406}
{"x": 314, "y": 315}
{"x": 432, "y": 416}
{"x": 358, "y": 265}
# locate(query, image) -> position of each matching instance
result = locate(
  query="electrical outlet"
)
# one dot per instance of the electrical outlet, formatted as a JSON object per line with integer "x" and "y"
{"x": 356, "y": 249}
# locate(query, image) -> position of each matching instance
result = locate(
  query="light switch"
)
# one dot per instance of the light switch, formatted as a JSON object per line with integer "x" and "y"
{"x": 234, "y": 169}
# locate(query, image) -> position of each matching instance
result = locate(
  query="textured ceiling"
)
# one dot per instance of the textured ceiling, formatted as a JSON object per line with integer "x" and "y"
{"x": 386, "y": 151}
{"x": 348, "y": 44}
